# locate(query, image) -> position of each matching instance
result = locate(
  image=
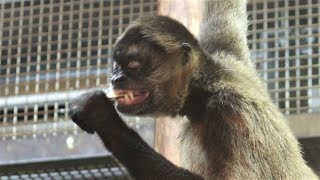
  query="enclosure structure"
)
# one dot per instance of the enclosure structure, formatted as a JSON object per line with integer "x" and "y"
{"x": 52, "y": 50}
{"x": 284, "y": 39}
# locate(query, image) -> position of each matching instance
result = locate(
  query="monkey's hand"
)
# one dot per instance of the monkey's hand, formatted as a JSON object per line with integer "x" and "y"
{"x": 94, "y": 112}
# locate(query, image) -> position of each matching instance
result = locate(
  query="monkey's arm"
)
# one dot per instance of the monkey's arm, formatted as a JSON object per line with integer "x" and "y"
{"x": 93, "y": 112}
{"x": 224, "y": 27}
{"x": 139, "y": 158}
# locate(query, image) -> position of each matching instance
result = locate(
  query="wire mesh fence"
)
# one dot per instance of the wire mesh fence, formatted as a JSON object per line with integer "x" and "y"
{"x": 284, "y": 38}
{"x": 53, "y": 50}
{"x": 50, "y": 52}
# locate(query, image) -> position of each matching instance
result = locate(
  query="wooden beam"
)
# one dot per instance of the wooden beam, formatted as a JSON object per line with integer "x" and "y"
{"x": 167, "y": 130}
{"x": 185, "y": 11}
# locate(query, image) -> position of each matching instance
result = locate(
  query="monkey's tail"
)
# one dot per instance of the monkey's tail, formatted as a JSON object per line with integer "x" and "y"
{"x": 223, "y": 27}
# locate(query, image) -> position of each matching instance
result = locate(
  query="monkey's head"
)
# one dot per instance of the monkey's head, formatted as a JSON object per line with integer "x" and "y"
{"x": 152, "y": 64}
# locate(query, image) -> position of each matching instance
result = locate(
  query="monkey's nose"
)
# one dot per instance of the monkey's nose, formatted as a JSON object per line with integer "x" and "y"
{"x": 118, "y": 78}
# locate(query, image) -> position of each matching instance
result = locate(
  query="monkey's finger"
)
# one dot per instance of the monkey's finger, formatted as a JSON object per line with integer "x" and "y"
{"x": 74, "y": 116}
{"x": 83, "y": 126}
{"x": 72, "y": 112}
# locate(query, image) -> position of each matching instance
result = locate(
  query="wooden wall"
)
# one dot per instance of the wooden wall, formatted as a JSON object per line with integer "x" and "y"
{"x": 167, "y": 130}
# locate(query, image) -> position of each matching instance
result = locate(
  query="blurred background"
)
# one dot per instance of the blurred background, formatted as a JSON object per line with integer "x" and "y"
{"x": 53, "y": 50}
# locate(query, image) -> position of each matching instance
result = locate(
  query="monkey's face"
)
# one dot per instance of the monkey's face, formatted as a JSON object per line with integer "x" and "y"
{"x": 147, "y": 80}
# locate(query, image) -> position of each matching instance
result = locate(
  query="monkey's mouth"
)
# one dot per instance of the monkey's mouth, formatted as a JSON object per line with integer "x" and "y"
{"x": 128, "y": 97}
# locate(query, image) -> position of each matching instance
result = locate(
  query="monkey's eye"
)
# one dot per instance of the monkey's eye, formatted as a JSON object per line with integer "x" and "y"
{"x": 134, "y": 65}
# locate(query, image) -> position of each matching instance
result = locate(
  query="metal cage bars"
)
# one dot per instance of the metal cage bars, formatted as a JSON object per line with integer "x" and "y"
{"x": 284, "y": 38}
{"x": 53, "y": 50}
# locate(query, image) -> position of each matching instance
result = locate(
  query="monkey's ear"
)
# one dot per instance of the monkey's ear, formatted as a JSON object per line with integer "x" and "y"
{"x": 187, "y": 52}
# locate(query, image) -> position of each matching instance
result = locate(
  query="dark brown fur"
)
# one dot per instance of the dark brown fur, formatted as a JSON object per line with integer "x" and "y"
{"x": 232, "y": 130}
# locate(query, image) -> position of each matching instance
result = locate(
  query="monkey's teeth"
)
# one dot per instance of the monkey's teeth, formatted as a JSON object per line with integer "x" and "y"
{"x": 126, "y": 97}
{"x": 130, "y": 94}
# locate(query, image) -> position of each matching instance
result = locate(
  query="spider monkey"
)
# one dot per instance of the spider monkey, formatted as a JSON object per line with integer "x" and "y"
{"x": 232, "y": 130}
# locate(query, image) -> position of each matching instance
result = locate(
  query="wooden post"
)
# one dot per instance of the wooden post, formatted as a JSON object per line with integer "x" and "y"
{"x": 168, "y": 130}
{"x": 185, "y": 11}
